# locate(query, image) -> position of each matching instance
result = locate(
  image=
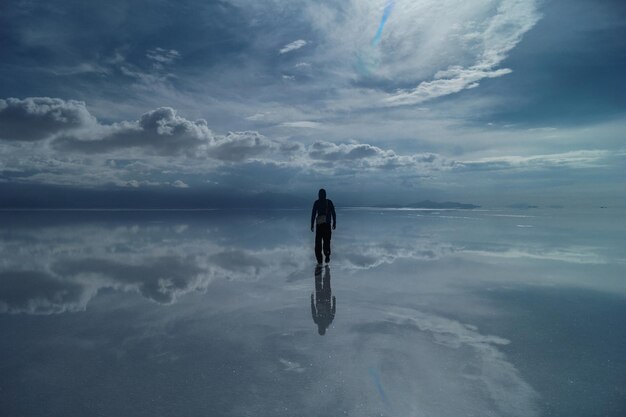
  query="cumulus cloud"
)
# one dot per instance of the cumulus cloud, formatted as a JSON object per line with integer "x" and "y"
{"x": 369, "y": 156}
{"x": 37, "y": 118}
{"x": 161, "y": 131}
{"x": 164, "y": 132}
{"x": 238, "y": 146}
{"x": 292, "y": 46}
{"x": 77, "y": 136}
{"x": 179, "y": 184}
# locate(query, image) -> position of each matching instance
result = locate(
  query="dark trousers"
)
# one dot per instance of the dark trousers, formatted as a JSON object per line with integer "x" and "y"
{"x": 322, "y": 241}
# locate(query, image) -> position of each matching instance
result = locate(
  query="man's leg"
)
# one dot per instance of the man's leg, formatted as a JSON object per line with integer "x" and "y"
{"x": 326, "y": 238}
{"x": 318, "y": 243}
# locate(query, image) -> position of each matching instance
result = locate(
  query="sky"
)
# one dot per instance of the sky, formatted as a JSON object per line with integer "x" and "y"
{"x": 491, "y": 102}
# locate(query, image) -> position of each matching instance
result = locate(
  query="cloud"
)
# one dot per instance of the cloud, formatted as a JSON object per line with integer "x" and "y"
{"x": 166, "y": 146}
{"x": 368, "y": 156}
{"x": 161, "y": 131}
{"x": 306, "y": 124}
{"x": 164, "y": 132}
{"x": 238, "y": 146}
{"x": 486, "y": 366}
{"x": 161, "y": 279}
{"x": 292, "y": 46}
{"x": 179, "y": 184}
{"x": 37, "y": 292}
{"x": 369, "y": 257}
{"x": 447, "y": 82}
{"x": 58, "y": 269}
{"x": 489, "y": 38}
{"x": 37, "y": 118}
{"x": 439, "y": 47}
{"x": 574, "y": 159}
{"x": 161, "y": 56}
{"x": 567, "y": 255}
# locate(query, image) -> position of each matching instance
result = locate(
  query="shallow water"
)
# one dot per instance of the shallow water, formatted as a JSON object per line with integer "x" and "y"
{"x": 208, "y": 313}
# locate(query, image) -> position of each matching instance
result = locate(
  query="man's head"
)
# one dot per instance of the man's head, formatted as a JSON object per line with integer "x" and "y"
{"x": 322, "y": 194}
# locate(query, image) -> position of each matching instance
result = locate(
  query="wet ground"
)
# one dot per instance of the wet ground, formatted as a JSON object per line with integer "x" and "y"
{"x": 224, "y": 313}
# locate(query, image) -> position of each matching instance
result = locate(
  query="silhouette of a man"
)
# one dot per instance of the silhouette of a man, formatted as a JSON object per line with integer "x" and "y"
{"x": 323, "y": 210}
{"x": 321, "y": 309}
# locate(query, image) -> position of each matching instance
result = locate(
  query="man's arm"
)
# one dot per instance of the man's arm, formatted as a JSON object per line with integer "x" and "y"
{"x": 313, "y": 212}
{"x": 332, "y": 212}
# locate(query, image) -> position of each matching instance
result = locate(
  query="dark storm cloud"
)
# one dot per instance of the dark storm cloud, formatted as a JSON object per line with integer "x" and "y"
{"x": 37, "y": 118}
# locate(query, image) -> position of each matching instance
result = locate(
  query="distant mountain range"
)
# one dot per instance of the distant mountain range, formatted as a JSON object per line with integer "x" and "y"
{"x": 427, "y": 204}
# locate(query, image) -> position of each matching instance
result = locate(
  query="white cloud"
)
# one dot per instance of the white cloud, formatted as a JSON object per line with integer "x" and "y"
{"x": 179, "y": 184}
{"x": 161, "y": 131}
{"x": 568, "y": 255}
{"x": 292, "y": 46}
{"x": 442, "y": 46}
{"x": 302, "y": 124}
{"x": 365, "y": 156}
{"x": 574, "y": 159}
{"x": 238, "y": 146}
{"x": 162, "y": 56}
{"x": 164, "y": 132}
{"x": 457, "y": 80}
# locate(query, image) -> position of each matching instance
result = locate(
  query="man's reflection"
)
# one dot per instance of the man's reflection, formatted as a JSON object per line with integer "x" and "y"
{"x": 321, "y": 309}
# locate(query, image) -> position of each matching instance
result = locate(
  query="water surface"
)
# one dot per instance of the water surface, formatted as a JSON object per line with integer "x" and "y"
{"x": 437, "y": 313}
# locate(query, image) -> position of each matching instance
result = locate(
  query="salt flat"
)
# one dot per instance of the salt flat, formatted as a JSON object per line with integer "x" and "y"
{"x": 435, "y": 313}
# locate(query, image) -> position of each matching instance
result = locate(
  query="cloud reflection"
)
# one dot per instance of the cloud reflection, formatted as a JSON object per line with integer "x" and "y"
{"x": 59, "y": 268}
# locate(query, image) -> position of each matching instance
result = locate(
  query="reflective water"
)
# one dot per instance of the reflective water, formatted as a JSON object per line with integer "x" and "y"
{"x": 217, "y": 313}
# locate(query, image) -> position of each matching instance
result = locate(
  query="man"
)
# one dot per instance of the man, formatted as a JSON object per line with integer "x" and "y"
{"x": 323, "y": 210}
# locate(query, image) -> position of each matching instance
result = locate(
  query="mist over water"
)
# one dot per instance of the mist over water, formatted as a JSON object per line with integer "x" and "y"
{"x": 438, "y": 313}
